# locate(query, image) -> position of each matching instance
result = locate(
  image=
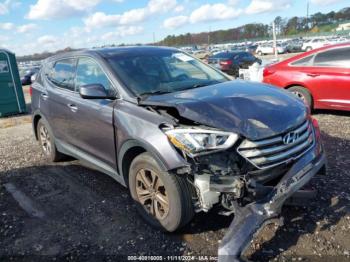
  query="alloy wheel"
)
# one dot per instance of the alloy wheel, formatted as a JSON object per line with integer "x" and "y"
{"x": 45, "y": 140}
{"x": 151, "y": 193}
{"x": 299, "y": 95}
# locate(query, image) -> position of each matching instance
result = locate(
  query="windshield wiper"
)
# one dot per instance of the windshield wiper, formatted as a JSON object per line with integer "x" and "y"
{"x": 147, "y": 94}
{"x": 200, "y": 85}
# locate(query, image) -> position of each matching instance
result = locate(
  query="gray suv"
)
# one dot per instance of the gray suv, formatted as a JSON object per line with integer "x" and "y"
{"x": 181, "y": 135}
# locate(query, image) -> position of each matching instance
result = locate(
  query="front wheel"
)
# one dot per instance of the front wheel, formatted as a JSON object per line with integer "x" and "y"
{"x": 162, "y": 199}
{"x": 309, "y": 48}
{"x": 302, "y": 93}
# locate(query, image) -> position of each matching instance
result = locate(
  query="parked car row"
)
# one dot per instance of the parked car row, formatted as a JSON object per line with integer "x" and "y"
{"x": 27, "y": 74}
{"x": 269, "y": 49}
{"x": 266, "y": 47}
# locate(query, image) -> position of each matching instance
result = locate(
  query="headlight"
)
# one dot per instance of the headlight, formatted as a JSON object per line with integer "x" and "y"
{"x": 195, "y": 141}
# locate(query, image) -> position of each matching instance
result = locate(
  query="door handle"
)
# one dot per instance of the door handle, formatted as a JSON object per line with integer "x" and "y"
{"x": 73, "y": 107}
{"x": 44, "y": 96}
{"x": 313, "y": 74}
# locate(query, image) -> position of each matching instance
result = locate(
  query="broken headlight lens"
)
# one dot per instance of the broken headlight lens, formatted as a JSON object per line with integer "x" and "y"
{"x": 195, "y": 141}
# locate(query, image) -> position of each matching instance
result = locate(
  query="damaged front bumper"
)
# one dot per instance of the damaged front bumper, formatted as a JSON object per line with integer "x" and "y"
{"x": 248, "y": 220}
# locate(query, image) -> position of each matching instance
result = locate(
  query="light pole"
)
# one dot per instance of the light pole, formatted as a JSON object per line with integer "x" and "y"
{"x": 274, "y": 39}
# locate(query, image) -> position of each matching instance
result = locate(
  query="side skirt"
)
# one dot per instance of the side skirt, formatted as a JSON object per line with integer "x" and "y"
{"x": 89, "y": 160}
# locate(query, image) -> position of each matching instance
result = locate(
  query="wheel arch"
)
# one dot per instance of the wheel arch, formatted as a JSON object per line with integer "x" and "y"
{"x": 305, "y": 87}
{"x": 131, "y": 149}
{"x": 35, "y": 120}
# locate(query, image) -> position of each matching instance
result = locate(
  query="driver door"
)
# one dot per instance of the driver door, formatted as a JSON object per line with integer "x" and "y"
{"x": 92, "y": 127}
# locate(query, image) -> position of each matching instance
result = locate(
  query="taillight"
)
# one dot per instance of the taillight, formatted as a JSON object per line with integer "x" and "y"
{"x": 226, "y": 62}
{"x": 268, "y": 71}
{"x": 30, "y": 90}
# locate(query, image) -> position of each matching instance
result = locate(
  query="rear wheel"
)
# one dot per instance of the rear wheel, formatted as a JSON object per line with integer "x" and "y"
{"x": 260, "y": 53}
{"x": 47, "y": 142}
{"x": 309, "y": 48}
{"x": 302, "y": 93}
{"x": 162, "y": 199}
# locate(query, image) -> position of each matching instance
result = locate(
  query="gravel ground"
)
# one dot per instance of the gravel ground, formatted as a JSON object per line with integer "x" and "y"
{"x": 73, "y": 212}
{"x": 19, "y": 119}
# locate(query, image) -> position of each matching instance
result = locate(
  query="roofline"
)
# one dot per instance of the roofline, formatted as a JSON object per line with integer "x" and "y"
{"x": 100, "y": 51}
{"x": 6, "y": 50}
{"x": 312, "y": 52}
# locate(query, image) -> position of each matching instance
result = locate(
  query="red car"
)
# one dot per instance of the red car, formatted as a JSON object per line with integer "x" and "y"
{"x": 320, "y": 77}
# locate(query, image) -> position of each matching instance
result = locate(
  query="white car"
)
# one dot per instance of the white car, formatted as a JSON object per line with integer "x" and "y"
{"x": 266, "y": 49}
{"x": 314, "y": 43}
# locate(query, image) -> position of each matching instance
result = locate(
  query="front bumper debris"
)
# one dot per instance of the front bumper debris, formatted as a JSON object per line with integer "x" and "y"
{"x": 253, "y": 217}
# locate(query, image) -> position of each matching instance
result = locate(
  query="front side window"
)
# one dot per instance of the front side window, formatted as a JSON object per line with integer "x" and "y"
{"x": 339, "y": 57}
{"x": 62, "y": 73}
{"x": 162, "y": 71}
{"x": 89, "y": 72}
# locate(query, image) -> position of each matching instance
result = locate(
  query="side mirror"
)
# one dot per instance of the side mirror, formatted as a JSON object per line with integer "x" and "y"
{"x": 94, "y": 91}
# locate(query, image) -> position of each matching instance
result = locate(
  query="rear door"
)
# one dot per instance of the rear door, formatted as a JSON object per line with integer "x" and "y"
{"x": 91, "y": 128}
{"x": 59, "y": 92}
{"x": 329, "y": 78}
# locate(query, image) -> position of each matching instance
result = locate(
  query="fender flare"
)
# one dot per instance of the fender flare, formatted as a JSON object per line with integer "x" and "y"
{"x": 35, "y": 114}
{"x": 132, "y": 143}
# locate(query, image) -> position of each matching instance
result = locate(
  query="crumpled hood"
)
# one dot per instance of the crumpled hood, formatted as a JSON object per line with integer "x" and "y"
{"x": 253, "y": 110}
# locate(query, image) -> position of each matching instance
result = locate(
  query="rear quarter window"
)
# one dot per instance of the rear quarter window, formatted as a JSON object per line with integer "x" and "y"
{"x": 305, "y": 61}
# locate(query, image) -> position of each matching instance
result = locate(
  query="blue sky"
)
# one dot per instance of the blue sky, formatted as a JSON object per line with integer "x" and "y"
{"x": 33, "y": 26}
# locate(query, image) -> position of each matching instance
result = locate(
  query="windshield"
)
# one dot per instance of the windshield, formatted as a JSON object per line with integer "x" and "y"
{"x": 162, "y": 71}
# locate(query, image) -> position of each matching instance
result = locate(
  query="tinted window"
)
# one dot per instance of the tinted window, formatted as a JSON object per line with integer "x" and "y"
{"x": 89, "y": 72}
{"x": 339, "y": 57}
{"x": 248, "y": 56}
{"x": 62, "y": 74}
{"x": 223, "y": 55}
{"x": 4, "y": 66}
{"x": 303, "y": 61}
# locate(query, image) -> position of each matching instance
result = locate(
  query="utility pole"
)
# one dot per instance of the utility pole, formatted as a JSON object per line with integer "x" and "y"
{"x": 307, "y": 15}
{"x": 274, "y": 39}
{"x": 209, "y": 37}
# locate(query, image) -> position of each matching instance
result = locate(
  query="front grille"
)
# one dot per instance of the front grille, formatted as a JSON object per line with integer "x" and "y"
{"x": 274, "y": 151}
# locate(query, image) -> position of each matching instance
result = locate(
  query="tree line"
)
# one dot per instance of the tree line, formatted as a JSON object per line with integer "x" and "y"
{"x": 317, "y": 22}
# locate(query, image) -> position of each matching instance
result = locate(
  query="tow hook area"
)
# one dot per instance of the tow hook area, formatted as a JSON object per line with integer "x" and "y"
{"x": 253, "y": 217}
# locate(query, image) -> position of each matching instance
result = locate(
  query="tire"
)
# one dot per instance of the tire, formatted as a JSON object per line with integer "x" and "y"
{"x": 47, "y": 142}
{"x": 260, "y": 53}
{"x": 234, "y": 72}
{"x": 309, "y": 48}
{"x": 302, "y": 93}
{"x": 172, "y": 189}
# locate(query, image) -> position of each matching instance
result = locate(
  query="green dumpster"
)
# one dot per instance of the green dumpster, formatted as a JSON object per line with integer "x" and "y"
{"x": 11, "y": 92}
